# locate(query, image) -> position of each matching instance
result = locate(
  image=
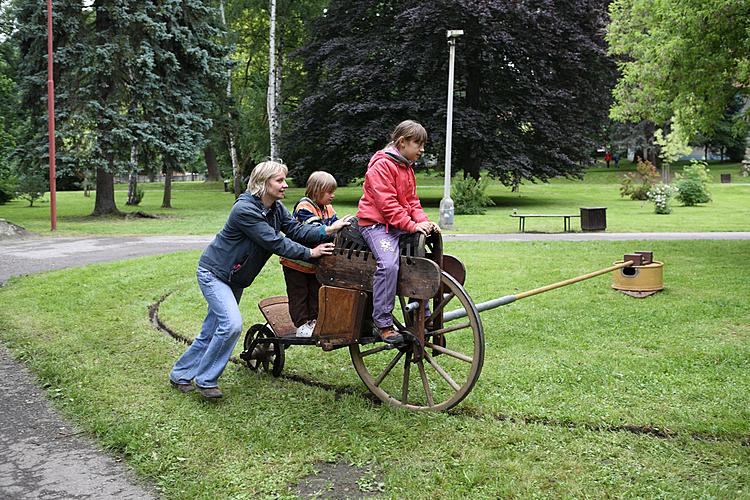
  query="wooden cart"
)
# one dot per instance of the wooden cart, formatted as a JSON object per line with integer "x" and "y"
{"x": 441, "y": 358}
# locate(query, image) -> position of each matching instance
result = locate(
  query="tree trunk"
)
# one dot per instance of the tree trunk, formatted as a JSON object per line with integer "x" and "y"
{"x": 236, "y": 181}
{"x": 470, "y": 150}
{"x": 212, "y": 166}
{"x": 133, "y": 178}
{"x": 167, "y": 200}
{"x": 271, "y": 104}
{"x": 104, "y": 203}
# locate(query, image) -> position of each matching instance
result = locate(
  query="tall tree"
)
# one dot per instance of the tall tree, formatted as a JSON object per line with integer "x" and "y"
{"x": 248, "y": 22}
{"x": 532, "y": 84}
{"x": 274, "y": 81}
{"x": 31, "y": 156}
{"x": 685, "y": 59}
{"x": 184, "y": 71}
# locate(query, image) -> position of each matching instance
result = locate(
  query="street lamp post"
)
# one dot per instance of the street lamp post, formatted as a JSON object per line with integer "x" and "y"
{"x": 445, "y": 219}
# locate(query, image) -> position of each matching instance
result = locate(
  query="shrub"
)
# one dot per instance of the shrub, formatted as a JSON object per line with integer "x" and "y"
{"x": 637, "y": 184}
{"x": 692, "y": 184}
{"x": 137, "y": 197}
{"x": 469, "y": 197}
{"x": 7, "y": 190}
{"x": 31, "y": 188}
{"x": 661, "y": 196}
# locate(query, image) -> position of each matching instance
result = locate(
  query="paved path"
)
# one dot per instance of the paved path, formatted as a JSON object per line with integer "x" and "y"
{"x": 31, "y": 255}
{"x": 42, "y": 455}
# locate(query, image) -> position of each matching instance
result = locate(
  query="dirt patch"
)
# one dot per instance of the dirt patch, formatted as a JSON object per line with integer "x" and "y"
{"x": 10, "y": 230}
{"x": 340, "y": 481}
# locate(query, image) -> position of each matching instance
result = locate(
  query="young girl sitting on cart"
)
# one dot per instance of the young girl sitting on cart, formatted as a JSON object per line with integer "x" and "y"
{"x": 389, "y": 207}
{"x": 301, "y": 284}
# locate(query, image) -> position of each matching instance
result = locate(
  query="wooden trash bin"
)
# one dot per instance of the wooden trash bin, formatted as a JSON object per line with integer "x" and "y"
{"x": 593, "y": 218}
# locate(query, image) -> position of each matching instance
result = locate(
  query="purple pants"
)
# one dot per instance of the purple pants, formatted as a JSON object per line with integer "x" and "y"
{"x": 384, "y": 246}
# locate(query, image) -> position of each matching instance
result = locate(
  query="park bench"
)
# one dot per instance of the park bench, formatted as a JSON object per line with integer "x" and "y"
{"x": 566, "y": 220}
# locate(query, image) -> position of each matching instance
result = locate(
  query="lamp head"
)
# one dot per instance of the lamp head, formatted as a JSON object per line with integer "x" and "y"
{"x": 453, "y": 33}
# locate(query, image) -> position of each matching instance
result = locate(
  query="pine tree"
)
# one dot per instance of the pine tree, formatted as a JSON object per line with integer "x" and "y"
{"x": 31, "y": 156}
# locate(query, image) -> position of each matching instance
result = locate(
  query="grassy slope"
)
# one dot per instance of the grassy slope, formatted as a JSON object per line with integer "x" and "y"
{"x": 201, "y": 208}
{"x": 565, "y": 372}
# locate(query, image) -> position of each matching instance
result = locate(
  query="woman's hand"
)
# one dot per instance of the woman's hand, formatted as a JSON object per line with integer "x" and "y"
{"x": 321, "y": 250}
{"x": 337, "y": 226}
{"x": 435, "y": 228}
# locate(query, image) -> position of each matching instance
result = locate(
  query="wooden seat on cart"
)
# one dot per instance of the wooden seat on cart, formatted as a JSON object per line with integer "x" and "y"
{"x": 276, "y": 311}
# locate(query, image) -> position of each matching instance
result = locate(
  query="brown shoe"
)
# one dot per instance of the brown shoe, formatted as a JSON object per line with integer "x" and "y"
{"x": 391, "y": 336}
{"x": 185, "y": 388}
{"x": 210, "y": 392}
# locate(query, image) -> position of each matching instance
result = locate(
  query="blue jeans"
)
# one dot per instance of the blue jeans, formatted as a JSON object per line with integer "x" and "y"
{"x": 209, "y": 353}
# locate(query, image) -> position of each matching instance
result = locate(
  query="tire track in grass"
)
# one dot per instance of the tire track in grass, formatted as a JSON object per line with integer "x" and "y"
{"x": 475, "y": 413}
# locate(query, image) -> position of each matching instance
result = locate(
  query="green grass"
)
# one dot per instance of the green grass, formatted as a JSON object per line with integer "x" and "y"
{"x": 201, "y": 208}
{"x": 566, "y": 373}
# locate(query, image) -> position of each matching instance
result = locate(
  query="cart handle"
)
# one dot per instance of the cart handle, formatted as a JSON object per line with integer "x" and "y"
{"x": 495, "y": 303}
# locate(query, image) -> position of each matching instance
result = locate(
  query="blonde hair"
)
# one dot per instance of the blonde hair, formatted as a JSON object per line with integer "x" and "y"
{"x": 318, "y": 184}
{"x": 261, "y": 174}
{"x": 409, "y": 130}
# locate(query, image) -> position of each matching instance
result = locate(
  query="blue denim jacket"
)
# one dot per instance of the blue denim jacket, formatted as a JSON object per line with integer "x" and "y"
{"x": 251, "y": 235}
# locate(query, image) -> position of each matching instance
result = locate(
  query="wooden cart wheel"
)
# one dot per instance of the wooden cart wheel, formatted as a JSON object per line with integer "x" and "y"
{"x": 434, "y": 384}
{"x": 266, "y": 355}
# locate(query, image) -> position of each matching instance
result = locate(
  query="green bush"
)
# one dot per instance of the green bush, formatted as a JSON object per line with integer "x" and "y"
{"x": 469, "y": 197}
{"x": 32, "y": 187}
{"x": 137, "y": 197}
{"x": 637, "y": 184}
{"x": 661, "y": 196}
{"x": 692, "y": 184}
{"x": 7, "y": 190}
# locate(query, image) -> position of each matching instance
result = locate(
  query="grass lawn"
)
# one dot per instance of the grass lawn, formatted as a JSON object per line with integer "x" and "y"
{"x": 201, "y": 208}
{"x": 577, "y": 388}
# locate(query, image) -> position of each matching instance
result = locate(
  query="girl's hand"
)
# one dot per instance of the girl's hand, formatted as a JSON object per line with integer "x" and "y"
{"x": 321, "y": 250}
{"x": 336, "y": 226}
{"x": 435, "y": 228}
{"x": 424, "y": 227}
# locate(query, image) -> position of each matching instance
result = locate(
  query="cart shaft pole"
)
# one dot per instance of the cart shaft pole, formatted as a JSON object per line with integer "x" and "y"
{"x": 570, "y": 281}
{"x": 507, "y": 299}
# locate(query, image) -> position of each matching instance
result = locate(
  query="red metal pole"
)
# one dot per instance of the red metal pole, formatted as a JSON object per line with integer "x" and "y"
{"x": 51, "y": 122}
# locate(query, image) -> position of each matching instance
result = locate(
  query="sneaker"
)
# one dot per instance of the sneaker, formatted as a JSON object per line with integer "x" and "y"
{"x": 210, "y": 392}
{"x": 185, "y": 388}
{"x": 306, "y": 329}
{"x": 391, "y": 336}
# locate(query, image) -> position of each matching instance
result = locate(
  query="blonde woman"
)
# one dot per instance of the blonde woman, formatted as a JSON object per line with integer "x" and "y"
{"x": 230, "y": 263}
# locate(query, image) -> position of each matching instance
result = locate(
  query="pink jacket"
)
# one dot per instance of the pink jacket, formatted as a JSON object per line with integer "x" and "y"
{"x": 390, "y": 193}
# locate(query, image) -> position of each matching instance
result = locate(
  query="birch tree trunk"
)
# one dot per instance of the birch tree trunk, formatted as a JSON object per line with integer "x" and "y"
{"x": 236, "y": 175}
{"x": 272, "y": 95}
{"x": 133, "y": 178}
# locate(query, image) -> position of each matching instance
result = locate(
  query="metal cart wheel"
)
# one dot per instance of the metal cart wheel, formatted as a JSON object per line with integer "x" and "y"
{"x": 261, "y": 353}
{"x": 436, "y": 385}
